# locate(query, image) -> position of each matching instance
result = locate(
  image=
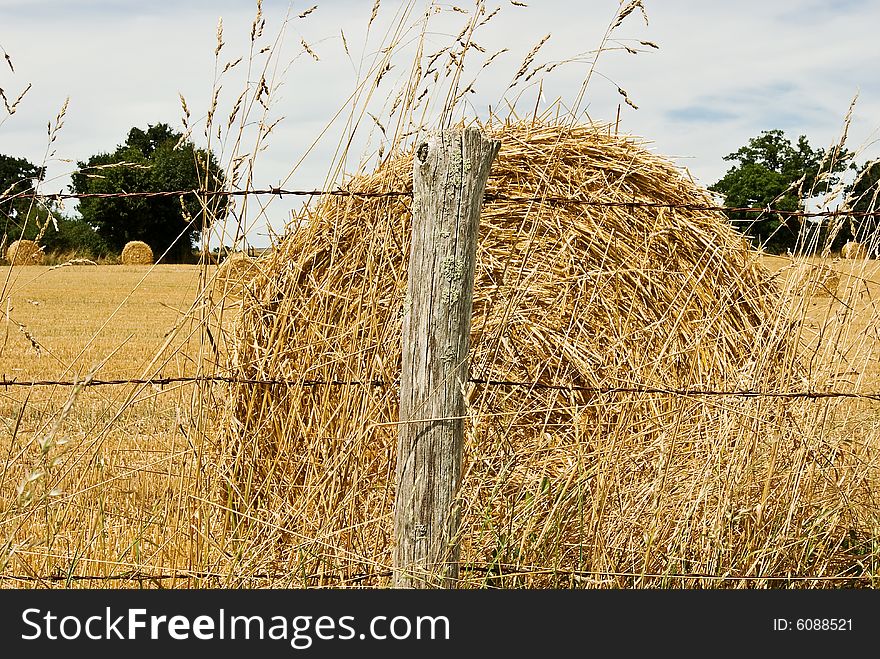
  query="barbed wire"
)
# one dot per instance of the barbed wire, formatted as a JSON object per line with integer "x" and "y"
{"x": 164, "y": 381}
{"x": 491, "y": 572}
{"x": 525, "y": 384}
{"x": 60, "y": 196}
{"x": 489, "y": 196}
{"x": 638, "y": 389}
{"x": 678, "y": 206}
{"x": 183, "y": 576}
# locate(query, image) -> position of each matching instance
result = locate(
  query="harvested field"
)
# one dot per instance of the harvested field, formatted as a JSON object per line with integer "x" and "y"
{"x": 108, "y": 467}
{"x": 82, "y": 316}
{"x": 132, "y": 457}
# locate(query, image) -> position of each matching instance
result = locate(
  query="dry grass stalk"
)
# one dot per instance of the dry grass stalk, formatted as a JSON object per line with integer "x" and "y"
{"x": 24, "y": 252}
{"x": 137, "y": 252}
{"x": 643, "y": 485}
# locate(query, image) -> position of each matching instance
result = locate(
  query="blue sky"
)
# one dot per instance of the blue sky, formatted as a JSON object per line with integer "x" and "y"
{"x": 723, "y": 72}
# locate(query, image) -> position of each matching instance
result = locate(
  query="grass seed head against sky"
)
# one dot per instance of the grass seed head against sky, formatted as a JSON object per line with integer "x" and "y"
{"x": 723, "y": 72}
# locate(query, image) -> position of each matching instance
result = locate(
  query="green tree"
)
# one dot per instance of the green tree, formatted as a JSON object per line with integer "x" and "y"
{"x": 153, "y": 160}
{"x": 862, "y": 196}
{"x": 73, "y": 236}
{"x": 772, "y": 172}
{"x": 19, "y": 214}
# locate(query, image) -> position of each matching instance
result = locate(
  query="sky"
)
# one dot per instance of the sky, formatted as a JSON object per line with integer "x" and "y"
{"x": 721, "y": 73}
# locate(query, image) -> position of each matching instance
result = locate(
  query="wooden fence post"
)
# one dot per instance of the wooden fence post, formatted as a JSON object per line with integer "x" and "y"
{"x": 450, "y": 170}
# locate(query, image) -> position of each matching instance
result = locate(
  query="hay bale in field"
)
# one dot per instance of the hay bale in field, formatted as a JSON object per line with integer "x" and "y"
{"x": 234, "y": 273}
{"x": 854, "y": 250}
{"x": 814, "y": 280}
{"x": 24, "y": 252}
{"x": 137, "y": 252}
{"x": 595, "y": 295}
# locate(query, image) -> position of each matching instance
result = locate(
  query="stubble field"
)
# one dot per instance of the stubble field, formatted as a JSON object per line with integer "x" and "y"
{"x": 105, "y": 485}
{"x": 96, "y": 479}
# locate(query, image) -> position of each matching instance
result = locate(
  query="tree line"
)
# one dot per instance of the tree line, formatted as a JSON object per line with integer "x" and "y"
{"x": 770, "y": 171}
{"x": 154, "y": 159}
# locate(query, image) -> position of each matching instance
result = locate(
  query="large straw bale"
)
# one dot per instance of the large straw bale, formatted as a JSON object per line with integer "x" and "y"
{"x": 601, "y": 295}
{"x": 813, "y": 280}
{"x": 234, "y": 273}
{"x": 137, "y": 252}
{"x": 24, "y": 252}
{"x": 854, "y": 250}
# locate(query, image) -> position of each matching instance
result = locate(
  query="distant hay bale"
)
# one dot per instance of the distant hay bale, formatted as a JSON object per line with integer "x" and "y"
{"x": 591, "y": 301}
{"x": 137, "y": 252}
{"x": 236, "y": 271}
{"x": 854, "y": 250}
{"x": 814, "y": 280}
{"x": 24, "y": 252}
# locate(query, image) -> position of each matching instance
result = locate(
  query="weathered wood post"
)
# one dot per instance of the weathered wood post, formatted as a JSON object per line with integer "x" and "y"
{"x": 450, "y": 170}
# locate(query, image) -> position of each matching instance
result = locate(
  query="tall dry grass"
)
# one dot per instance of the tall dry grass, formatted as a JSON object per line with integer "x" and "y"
{"x": 135, "y": 485}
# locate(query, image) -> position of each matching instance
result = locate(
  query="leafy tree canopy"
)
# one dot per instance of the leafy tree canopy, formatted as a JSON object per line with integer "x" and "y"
{"x": 153, "y": 160}
{"x": 17, "y": 177}
{"x": 864, "y": 192}
{"x": 770, "y": 171}
{"x": 863, "y": 196}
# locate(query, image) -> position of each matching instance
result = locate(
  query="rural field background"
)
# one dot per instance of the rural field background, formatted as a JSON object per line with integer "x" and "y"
{"x": 114, "y": 485}
{"x": 114, "y": 464}
{"x": 654, "y": 402}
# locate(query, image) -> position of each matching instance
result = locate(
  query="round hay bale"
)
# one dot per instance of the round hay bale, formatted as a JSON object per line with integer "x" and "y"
{"x": 814, "y": 280}
{"x": 234, "y": 273}
{"x": 137, "y": 252}
{"x": 24, "y": 252}
{"x": 854, "y": 250}
{"x": 590, "y": 301}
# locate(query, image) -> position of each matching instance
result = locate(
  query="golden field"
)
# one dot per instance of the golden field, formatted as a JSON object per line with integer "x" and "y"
{"x": 111, "y": 465}
{"x": 106, "y": 486}
{"x": 110, "y": 318}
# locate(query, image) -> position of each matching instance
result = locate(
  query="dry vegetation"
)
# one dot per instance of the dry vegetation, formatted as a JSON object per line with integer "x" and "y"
{"x": 62, "y": 322}
{"x": 116, "y": 481}
{"x": 205, "y": 485}
{"x": 24, "y": 252}
{"x": 105, "y": 469}
{"x": 234, "y": 274}
{"x": 137, "y": 252}
{"x": 560, "y": 487}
